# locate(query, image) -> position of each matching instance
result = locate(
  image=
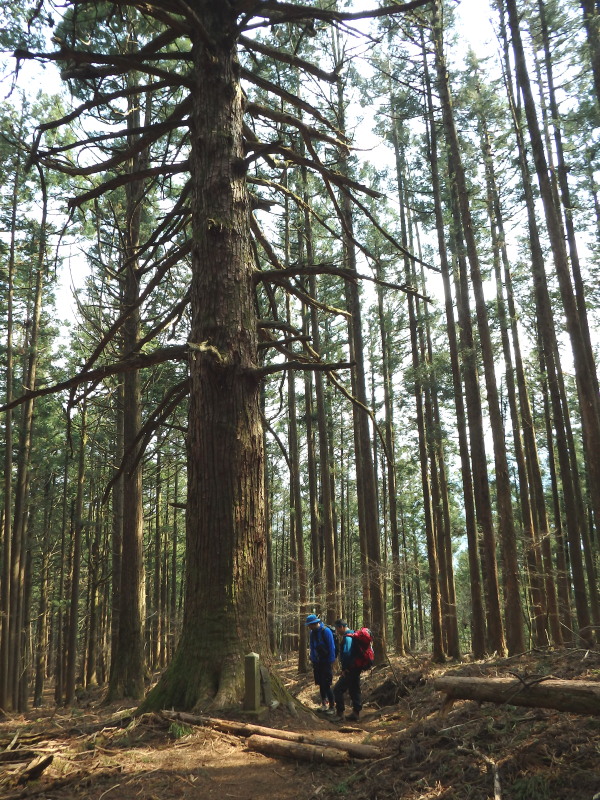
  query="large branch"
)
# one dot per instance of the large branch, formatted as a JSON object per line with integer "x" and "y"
{"x": 148, "y": 134}
{"x": 262, "y": 112}
{"x": 307, "y": 366}
{"x": 329, "y": 269}
{"x": 121, "y": 180}
{"x": 116, "y": 65}
{"x": 579, "y": 697}
{"x": 288, "y": 97}
{"x": 138, "y": 361}
{"x": 277, "y": 12}
{"x": 287, "y": 58}
{"x": 337, "y": 178}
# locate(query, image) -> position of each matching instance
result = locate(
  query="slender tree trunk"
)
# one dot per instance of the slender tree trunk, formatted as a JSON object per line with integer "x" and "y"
{"x": 478, "y": 628}
{"x": 42, "y": 638}
{"x": 510, "y": 567}
{"x": 128, "y": 665}
{"x": 72, "y": 637}
{"x": 7, "y": 664}
{"x": 545, "y": 313}
{"x": 117, "y": 525}
{"x": 591, "y": 22}
{"x": 297, "y": 531}
{"x": 583, "y": 358}
{"x": 562, "y": 171}
{"x": 367, "y": 490}
{"x": 397, "y": 598}
{"x": 531, "y": 543}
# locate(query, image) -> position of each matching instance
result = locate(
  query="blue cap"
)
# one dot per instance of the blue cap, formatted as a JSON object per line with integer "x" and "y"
{"x": 312, "y": 618}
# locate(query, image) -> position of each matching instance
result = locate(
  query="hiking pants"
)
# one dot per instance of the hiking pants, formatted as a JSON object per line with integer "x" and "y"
{"x": 349, "y": 681}
{"x": 324, "y": 679}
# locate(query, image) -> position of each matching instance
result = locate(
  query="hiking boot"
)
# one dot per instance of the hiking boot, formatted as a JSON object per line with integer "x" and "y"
{"x": 322, "y": 709}
{"x": 330, "y": 711}
{"x": 353, "y": 717}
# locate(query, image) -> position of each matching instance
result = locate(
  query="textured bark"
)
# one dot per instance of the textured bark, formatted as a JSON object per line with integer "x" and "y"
{"x": 226, "y": 599}
{"x": 298, "y": 751}
{"x": 247, "y": 729}
{"x": 128, "y": 667}
{"x": 579, "y": 697}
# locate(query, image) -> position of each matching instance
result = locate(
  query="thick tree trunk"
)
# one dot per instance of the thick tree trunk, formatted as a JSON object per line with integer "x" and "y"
{"x": 226, "y": 598}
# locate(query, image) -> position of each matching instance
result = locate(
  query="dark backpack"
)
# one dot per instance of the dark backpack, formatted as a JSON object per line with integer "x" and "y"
{"x": 335, "y": 640}
{"x": 362, "y": 649}
{"x": 322, "y": 648}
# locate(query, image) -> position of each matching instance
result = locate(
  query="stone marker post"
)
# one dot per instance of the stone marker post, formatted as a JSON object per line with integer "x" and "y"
{"x": 252, "y": 683}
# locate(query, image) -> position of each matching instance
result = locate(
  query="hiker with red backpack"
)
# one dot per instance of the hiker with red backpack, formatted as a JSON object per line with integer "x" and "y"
{"x": 356, "y": 655}
{"x": 322, "y": 656}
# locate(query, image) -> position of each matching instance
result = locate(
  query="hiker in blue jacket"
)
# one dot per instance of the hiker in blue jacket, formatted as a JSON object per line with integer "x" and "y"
{"x": 322, "y": 657}
{"x": 349, "y": 680}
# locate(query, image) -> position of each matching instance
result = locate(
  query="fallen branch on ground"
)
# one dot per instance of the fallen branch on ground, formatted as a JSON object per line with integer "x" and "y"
{"x": 247, "y": 729}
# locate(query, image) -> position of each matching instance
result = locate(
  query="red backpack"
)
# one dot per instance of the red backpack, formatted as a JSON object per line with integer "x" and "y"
{"x": 362, "y": 647}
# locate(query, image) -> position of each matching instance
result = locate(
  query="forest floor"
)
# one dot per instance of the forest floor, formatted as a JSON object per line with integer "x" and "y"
{"x": 469, "y": 750}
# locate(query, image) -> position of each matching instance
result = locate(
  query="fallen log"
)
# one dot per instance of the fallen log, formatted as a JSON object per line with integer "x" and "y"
{"x": 578, "y": 697}
{"x": 268, "y": 745}
{"x": 247, "y": 729}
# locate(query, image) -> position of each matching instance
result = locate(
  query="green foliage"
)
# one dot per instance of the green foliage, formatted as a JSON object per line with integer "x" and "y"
{"x": 178, "y": 730}
{"x": 531, "y": 787}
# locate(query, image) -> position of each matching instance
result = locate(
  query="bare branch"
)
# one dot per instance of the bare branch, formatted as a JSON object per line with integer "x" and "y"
{"x": 278, "y": 12}
{"x": 121, "y": 180}
{"x": 137, "y": 361}
{"x": 259, "y": 111}
{"x": 301, "y": 365}
{"x": 288, "y": 58}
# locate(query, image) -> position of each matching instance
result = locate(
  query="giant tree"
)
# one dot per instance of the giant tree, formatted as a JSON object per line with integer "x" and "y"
{"x": 193, "y": 52}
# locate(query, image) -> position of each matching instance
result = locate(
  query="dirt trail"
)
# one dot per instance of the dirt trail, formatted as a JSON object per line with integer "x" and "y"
{"x": 467, "y": 752}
